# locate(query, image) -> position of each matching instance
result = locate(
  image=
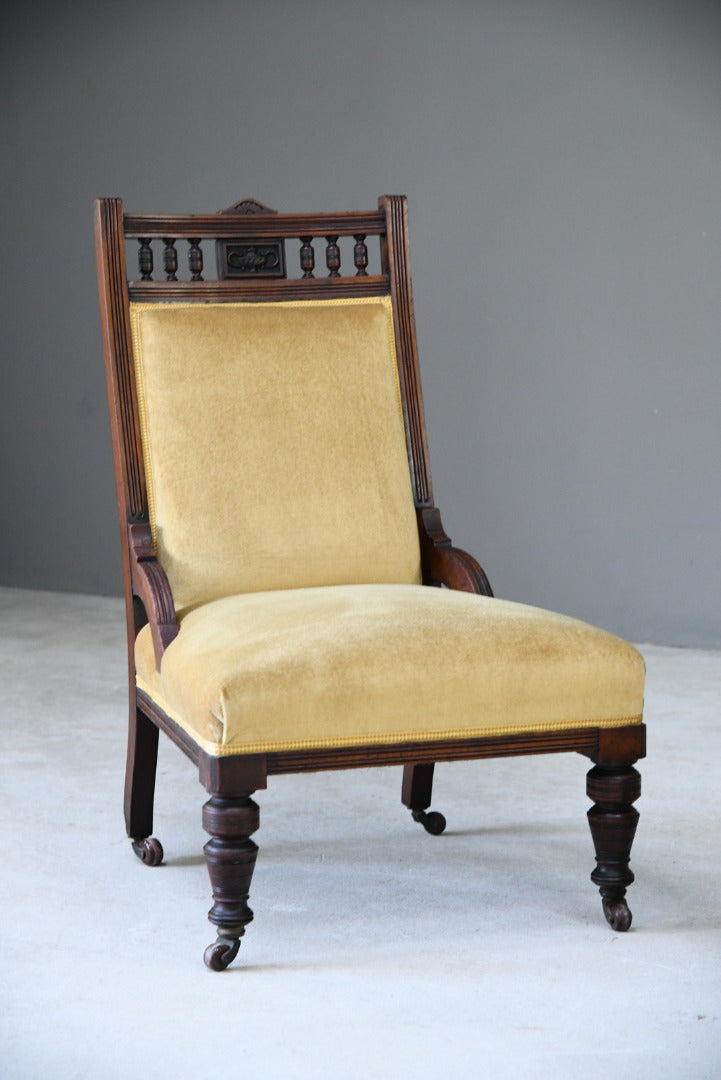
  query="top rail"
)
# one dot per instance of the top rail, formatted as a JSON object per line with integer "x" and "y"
{"x": 228, "y": 226}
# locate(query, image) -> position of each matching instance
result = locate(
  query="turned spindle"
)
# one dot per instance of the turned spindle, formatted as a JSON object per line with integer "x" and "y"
{"x": 195, "y": 261}
{"x": 307, "y": 256}
{"x": 145, "y": 259}
{"x": 332, "y": 256}
{"x": 360, "y": 255}
{"x": 170, "y": 259}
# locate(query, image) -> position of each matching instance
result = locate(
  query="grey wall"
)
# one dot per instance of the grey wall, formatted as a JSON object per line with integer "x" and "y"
{"x": 563, "y": 164}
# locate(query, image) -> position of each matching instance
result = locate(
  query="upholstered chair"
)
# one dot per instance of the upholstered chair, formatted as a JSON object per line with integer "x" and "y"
{"x": 293, "y": 602}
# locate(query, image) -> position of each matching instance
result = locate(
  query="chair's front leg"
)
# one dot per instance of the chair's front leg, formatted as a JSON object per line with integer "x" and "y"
{"x": 613, "y": 820}
{"x": 230, "y": 855}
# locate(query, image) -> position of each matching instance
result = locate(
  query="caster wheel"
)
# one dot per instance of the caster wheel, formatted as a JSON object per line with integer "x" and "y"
{"x": 617, "y": 914}
{"x": 222, "y": 953}
{"x": 434, "y": 823}
{"x": 149, "y": 851}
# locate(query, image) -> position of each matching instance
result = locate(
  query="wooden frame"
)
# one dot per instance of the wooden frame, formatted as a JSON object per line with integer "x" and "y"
{"x": 230, "y": 816}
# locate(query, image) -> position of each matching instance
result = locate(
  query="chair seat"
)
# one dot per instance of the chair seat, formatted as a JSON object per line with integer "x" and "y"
{"x": 353, "y": 665}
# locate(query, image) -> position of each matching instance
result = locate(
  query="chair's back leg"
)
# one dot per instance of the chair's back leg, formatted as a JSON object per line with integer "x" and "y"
{"x": 416, "y": 795}
{"x": 140, "y": 786}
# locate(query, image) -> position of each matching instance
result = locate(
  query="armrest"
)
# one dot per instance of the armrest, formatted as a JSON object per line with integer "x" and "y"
{"x": 151, "y": 586}
{"x": 443, "y": 564}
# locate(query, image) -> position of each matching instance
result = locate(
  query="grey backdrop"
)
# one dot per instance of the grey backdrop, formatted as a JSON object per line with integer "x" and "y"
{"x": 563, "y": 164}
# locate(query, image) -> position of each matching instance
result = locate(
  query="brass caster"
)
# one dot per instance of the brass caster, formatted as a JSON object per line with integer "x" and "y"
{"x": 434, "y": 823}
{"x": 149, "y": 851}
{"x": 617, "y": 914}
{"x": 221, "y": 953}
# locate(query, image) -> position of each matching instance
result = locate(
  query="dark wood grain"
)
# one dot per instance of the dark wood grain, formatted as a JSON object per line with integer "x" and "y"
{"x": 130, "y": 489}
{"x": 259, "y": 289}
{"x": 230, "y": 855}
{"x": 613, "y": 820}
{"x": 580, "y": 740}
{"x": 444, "y": 564}
{"x": 140, "y": 775}
{"x": 620, "y": 746}
{"x": 395, "y": 261}
{"x": 152, "y": 588}
{"x": 122, "y": 398}
{"x": 212, "y": 226}
{"x": 360, "y": 254}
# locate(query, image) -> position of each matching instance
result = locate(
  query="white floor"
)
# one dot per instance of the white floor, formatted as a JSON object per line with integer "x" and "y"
{"x": 377, "y": 951}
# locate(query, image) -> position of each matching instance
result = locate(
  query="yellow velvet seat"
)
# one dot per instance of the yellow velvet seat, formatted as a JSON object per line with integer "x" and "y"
{"x": 359, "y": 664}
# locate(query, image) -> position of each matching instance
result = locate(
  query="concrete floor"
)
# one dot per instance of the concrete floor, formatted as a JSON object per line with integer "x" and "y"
{"x": 377, "y": 951}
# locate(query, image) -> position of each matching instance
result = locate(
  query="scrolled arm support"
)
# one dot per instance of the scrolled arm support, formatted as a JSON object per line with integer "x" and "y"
{"x": 443, "y": 564}
{"x": 151, "y": 586}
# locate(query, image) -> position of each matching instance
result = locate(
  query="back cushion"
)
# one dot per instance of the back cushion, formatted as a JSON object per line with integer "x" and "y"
{"x": 274, "y": 446}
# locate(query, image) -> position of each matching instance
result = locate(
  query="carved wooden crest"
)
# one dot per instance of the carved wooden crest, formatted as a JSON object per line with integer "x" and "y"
{"x": 257, "y": 257}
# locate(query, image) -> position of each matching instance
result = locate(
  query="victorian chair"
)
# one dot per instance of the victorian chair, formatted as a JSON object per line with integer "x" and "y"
{"x": 293, "y": 602}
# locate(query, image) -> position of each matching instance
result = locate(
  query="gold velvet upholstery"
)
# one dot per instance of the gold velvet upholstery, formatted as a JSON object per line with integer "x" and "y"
{"x": 355, "y": 665}
{"x": 302, "y": 619}
{"x": 274, "y": 445}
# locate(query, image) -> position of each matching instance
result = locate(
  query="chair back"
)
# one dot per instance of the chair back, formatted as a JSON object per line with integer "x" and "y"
{"x": 268, "y": 427}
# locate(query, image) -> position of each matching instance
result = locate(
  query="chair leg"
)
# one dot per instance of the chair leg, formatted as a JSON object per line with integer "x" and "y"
{"x": 140, "y": 770}
{"x": 416, "y": 795}
{"x": 230, "y": 855}
{"x": 613, "y": 821}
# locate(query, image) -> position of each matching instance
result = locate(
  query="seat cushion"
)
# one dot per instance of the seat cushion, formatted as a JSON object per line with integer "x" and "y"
{"x": 274, "y": 445}
{"x": 356, "y": 664}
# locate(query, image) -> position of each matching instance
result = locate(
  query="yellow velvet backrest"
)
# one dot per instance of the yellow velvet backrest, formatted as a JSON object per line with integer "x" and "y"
{"x": 274, "y": 445}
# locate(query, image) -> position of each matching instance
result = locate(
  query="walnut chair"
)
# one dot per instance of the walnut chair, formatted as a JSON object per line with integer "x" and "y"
{"x": 293, "y": 602}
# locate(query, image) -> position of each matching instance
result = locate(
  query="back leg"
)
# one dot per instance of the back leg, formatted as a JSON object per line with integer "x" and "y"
{"x": 416, "y": 795}
{"x": 140, "y": 787}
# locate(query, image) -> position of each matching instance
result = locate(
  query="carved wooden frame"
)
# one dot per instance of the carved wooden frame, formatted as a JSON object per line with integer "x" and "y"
{"x": 230, "y": 814}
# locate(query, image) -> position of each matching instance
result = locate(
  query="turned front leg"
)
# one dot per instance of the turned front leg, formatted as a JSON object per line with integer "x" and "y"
{"x": 230, "y": 855}
{"x": 613, "y": 821}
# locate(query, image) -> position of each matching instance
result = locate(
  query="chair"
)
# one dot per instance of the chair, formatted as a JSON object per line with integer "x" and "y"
{"x": 293, "y": 602}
